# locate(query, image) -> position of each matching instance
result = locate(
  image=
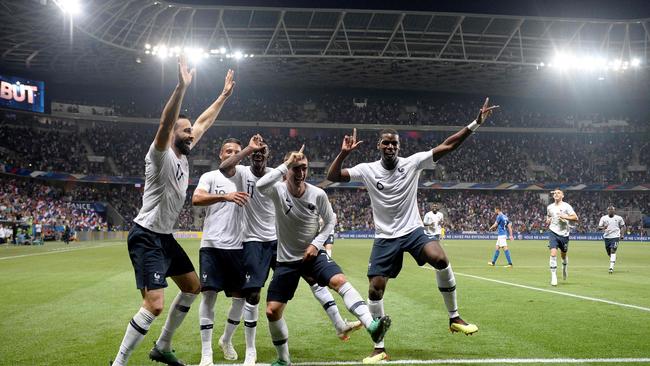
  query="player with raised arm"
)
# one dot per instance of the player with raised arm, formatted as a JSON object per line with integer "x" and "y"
{"x": 154, "y": 252}
{"x": 392, "y": 184}
{"x": 221, "y": 256}
{"x": 503, "y": 226}
{"x": 260, "y": 244}
{"x": 613, "y": 228}
{"x": 433, "y": 222}
{"x": 559, "y": 214}
{"x": 298, "y": 206}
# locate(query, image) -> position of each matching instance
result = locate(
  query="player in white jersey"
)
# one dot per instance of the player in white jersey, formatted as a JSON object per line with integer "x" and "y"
{"x": 221, "y": 254}
{"x": 298, "y": 206}
{"x": 260, "y": 244}
{"x": 559, "y": 216}
{"x": 392, "y": 184}
{"x": 434, "y": 222}
{"x": 613, "y": 228}
{"x": 154, "y": 252}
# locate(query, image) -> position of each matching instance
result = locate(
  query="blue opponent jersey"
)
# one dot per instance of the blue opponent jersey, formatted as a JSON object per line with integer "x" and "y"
{"x": 502, "y": 224}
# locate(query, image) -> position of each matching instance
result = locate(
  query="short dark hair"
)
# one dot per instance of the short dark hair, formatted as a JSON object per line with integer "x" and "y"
{"x": 497, "y": 207}
{"x": 287, "y": 155}
{"x": 185, "y": 116}
{"x": 231, "y": 140}
{"x": 388, "y": 131}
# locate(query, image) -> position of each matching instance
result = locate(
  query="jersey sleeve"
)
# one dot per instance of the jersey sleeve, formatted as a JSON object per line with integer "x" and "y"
{"x": 428, "y": 219}
{"x": 205, "y": 183}
{"x": 357, "y": 172}
{"x": 423, "y": 160}
{"x": 570, "y": 209}
{"x": 329, "y": 220}
{"x": 156, "y": 156}
{"x": 602, "y": 221}
{"x": 621, "y": 222}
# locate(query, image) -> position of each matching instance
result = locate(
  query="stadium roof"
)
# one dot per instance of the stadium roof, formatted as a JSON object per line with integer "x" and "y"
{"x": 309, "y": 46}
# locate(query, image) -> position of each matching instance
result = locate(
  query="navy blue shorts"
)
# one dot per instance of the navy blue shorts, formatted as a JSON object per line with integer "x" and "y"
{"x": 611, "y": 244}
{"x": 330, "y": 240}
{"x": 155, "y": 257}
{"x": 287, "y": 275}
{"x": 222, "y": 269}
{"x": 259, "y": 258}
{"x": 387, "y": 255}
{"x": 558, "y": 241}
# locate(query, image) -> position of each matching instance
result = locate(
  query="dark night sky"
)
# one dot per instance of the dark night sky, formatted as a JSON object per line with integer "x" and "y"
{"x": 614, "y": 9}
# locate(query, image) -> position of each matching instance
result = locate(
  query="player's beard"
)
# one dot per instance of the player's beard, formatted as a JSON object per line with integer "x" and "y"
{"x": 182, "y": 146}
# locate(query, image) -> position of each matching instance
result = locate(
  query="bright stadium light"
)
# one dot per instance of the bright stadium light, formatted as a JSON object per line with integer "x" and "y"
{"x": 238, "y": 55}
{"x": 222, "y": 50}
{"x": 636, "y": 62}
{"x": 72, "y": 7}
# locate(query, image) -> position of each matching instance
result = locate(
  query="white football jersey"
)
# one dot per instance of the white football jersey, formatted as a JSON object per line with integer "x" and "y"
{"x": 259, "y": 215}
{"x": 393, "y": 193}
{"x": 297, "y": 218}
{"x": 435, "y": 220}
{"x": 559, "y": 226}
{"x": 165, "y": 188}
{"x": 612, "y": 226}
{"x": 222, "y": 226}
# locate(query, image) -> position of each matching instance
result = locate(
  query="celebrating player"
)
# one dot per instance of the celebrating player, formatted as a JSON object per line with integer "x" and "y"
{"x": 392, "y": 184}
{"x": 221, "y": 255}
{"x": 298, "y": 206}
{"x": 501, "y": 224}
{"x": 613, "y": 228}
{"x": 154, "y": 252}
{"x": 558, "y": 216}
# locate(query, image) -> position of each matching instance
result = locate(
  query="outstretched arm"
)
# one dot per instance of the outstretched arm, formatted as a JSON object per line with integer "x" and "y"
{"x": 452, "y": 142}
{"x": 173, "y": 107}
{"x": 202, "y": 198}
{"x": 335, "y": 173}
{"x": 227, "y": 166}
{"x": 265, "y": 183}
{"x": 206, "y": 119}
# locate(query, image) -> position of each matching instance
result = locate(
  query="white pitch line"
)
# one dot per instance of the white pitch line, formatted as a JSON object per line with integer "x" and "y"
{"x": 554, "y": 292}
{"x": 59, "y": 250}
{"x": 475, "y": 361}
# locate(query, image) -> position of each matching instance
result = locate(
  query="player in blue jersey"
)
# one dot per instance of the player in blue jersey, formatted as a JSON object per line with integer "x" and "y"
{"x": 504, "y": 227}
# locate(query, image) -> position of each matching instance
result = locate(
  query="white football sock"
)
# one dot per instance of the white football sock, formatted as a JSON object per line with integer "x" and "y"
{"x": 280, "y": 338}
{"x": 206, "y": 321}
{"x": 612, "y": 260}
{"x": 177, "y": 312}
{"x": 234, "y": 318}
{"x": 552, "y": 263}
{"x": 325, "y": 298}
{"x": 355, "y": 304}
{"x": 447, "y": 287}
{"x": 135, "y": 332}
{"x": 376, "y": 308}
{"x": 251, "y": 314}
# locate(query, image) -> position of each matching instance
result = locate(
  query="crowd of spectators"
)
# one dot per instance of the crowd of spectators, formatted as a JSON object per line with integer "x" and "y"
{"x": 28, "y": 203}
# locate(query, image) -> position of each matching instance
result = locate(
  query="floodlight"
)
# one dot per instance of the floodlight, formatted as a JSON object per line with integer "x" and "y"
{"x": 636, "y": 62}
{"x": 238, "y": 55}
{"x": 72, "y": 7}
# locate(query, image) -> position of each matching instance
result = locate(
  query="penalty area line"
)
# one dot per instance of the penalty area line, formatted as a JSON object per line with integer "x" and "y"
{"x": 477, "y": 361}
{"x": 588, "y": 298}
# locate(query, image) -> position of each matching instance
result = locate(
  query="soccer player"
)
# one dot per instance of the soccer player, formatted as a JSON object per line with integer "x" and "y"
{"x": 613, "y": 227}
{"x": 260, "y": 244}
{"x": 154, "y": 252}
{"x": 392, "y": 184}
{"x": 298, "y": 206}
{"x": 559, "y": 215}
{"x": 501, "y": 224}
{"x": 221, "y": 255}
{"x": 433, "y": 222}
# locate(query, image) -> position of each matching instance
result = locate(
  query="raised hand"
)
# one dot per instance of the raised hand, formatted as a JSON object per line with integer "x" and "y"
{"x": 257, "y": 143}
{"x": 485, "y": 111}
{"x": 240, "y": 198}
{"x": 185, "y": 75}
{"x": 295, "y": 157}
{"x": 350, "y": 142}
{"x": 229, "y": 85}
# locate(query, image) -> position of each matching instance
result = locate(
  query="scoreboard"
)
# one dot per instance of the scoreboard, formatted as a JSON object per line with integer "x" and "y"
{"x": 19, "y": 93}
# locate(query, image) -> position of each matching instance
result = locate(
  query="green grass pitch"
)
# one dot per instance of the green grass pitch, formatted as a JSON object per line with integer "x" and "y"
{"x": 69, "y": 305}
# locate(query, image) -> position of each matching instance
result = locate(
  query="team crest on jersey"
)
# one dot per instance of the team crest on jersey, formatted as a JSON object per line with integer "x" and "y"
{"x": 311, "y": 207}
{"x": 401, "y": 170}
